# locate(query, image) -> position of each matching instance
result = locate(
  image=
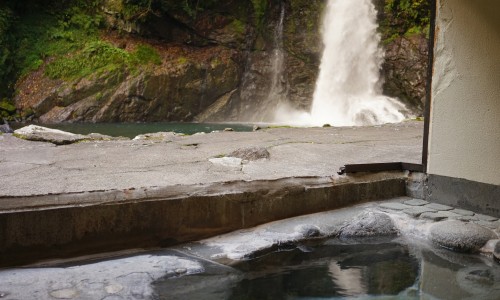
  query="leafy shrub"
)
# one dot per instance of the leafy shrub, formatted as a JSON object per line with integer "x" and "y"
{"x": 408, "y": 16}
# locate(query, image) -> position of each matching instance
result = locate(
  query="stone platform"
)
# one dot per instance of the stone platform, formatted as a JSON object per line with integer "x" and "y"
{"x": 166, "y": 189}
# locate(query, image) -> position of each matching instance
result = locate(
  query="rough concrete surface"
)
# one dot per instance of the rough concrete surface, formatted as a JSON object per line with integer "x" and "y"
{"x": 37, "y": 168}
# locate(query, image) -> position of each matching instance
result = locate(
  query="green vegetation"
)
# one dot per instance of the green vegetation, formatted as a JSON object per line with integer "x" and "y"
{"x": 6, "y": 109}
{"x": 190, "y": 7}
{"x": 182, "y": 60}
{"x": 67, "y": 38}
{"x": 405, "y": 18}
{"x": 6, "y": 20}
{"x": 259, "y": 9}
{"x": 238, "y": 26}
{"x": 100, "y": 57}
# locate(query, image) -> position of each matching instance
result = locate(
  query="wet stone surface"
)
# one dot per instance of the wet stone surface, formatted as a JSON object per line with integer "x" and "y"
{"x": 460, "y": 236}
{"x": 437, "y": 212}
{"x": 394, "y": 206}
{"x": 418, "y": 210}
{"x": 462, "y": 212}
{"x": 440, "y": 215}
{"x": 318, "y": 254}
{"x": 369, "y": 224}
{"x": 416, "y": 202}
{"x": 438, "y": 207}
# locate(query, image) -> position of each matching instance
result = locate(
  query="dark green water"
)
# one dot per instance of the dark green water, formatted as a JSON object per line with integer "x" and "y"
{"x": 131, "y": 130}
{"x": 335, "y": 270}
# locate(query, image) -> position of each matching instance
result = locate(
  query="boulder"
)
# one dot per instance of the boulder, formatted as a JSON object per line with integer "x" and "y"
{"x": 44, "y": 134}
{"x": 251, "y": 153}
{"x": 460, "y": 236}
{"x": 5, "y": 128}
{"x": 59, "y": 137}
{"x": 369, "y": 224}
{"x": 157, "y": 136}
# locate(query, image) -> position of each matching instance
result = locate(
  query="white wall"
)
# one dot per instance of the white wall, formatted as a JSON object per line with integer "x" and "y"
{"x": 464, "y": 140}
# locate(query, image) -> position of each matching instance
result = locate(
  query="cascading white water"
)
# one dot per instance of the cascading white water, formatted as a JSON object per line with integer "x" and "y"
{"x": 277, "y": 61}
{"x": 348, "y": 89}
{"x": 277, "y": 90}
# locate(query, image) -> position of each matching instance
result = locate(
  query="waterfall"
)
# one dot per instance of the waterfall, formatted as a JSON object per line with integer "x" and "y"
{"x": 277, "y": 88}
{"x": 348, "y": 88}
{"x": 263, "y": 85}
{"x": 276, "y": 91}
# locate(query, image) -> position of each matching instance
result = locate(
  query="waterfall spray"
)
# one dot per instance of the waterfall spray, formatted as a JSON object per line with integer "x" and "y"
{"x": 348, "y": 89}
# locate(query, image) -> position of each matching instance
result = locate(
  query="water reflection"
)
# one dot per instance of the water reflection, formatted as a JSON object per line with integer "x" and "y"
{"x": 337, "y": 269}
{"x": 330, "y": 271}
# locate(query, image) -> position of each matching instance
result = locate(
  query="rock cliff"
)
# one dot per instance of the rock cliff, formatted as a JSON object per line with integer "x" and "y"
{"x": 217, "y": 62}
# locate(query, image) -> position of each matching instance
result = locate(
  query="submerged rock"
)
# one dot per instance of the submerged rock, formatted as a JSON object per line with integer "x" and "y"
{"x": 369, "y": 224}
{"x": 460, "y": 236}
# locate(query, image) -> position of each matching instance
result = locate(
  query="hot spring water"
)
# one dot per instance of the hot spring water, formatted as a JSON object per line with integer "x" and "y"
{"x": 348, "y": 89}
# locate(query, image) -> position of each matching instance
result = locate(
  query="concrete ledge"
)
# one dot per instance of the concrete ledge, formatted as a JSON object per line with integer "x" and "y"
{"x": 476, "y": 196}
{"x": 65, "y": 225}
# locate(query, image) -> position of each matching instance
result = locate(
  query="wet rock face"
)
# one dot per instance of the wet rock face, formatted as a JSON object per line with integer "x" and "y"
{"x": 177, "y": 90}
{"x": 405, "y": 70}
{"x": 369, "y": 224}
{"x": 460, "y": 236}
